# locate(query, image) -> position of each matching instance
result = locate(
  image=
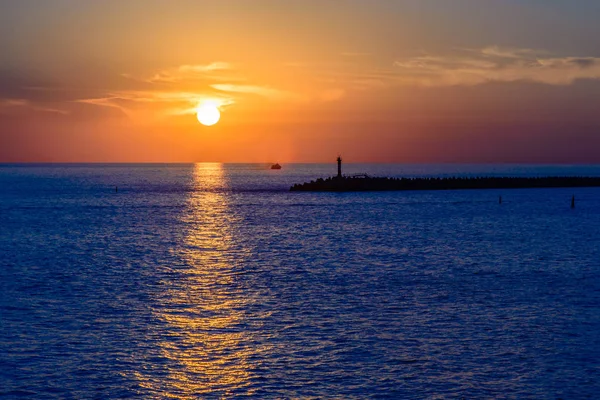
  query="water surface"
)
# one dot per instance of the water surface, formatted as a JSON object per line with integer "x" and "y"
{"x": 213, "y": 281}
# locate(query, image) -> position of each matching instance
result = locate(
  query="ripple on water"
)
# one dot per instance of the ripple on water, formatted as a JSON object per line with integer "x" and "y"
{"x": 183, "y": 286}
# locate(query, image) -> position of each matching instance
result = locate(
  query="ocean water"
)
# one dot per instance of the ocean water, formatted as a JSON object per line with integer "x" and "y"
{"x": 214, "y": 281}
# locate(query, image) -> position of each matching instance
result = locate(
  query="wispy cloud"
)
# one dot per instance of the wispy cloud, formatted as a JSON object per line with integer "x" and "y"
{"x": 190, "y": 72}
{"x": 263, "y": 91}
{"x": 111, "y": 101}
{"x": 215, "y": 66}
{"x": 8, "y": 104}
{"x": 508, "y": 52}
{"x": 218, "y": 82}
{"x": 13, "y": 103}
{"x": 169, "y": 103}
{"x": 495, "y": 64}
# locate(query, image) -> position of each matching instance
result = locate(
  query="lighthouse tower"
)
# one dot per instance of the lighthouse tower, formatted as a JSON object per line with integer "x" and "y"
{"x": 339, "y": 160}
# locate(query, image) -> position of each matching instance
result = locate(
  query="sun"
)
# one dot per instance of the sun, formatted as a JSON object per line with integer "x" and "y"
{"x": 208, "y": 114}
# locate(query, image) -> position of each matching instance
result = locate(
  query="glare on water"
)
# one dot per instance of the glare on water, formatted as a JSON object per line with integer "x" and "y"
{"x": 214, "y": 281}
{"x": 203, "y": 306}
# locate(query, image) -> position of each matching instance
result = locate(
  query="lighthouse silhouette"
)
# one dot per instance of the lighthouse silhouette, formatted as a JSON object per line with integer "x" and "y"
{"x": 339, "y": 160}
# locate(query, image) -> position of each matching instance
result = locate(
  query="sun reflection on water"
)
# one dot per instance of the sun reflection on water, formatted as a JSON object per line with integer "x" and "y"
{"x": 204, "y": 304}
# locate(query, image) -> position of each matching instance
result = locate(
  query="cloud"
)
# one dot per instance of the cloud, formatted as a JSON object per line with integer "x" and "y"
{"x": 215, "y": 66}
{"x": 190, "y": 72}
{"x": 112, "y": 102}
{"x": 584, "y": 62}
{"x": 12, "y": 102}
{"x": 507, "y": 52}
{"x": 174, "y": 97}
{"x": 174, "y": 91}
{"x": 7, "y": 105}
{"x": 25, "y": 91}
{"x": 263, "y": 91}
{"x": 169, "y": 103}
{"x": 494, "y": 64}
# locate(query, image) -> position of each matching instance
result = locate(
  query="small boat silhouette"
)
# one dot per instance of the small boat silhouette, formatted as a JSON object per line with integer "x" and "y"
{"x": 275, "y": 166}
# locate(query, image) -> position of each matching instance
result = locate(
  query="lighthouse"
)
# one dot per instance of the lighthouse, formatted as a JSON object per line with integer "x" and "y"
{"x": 339, "y": 160}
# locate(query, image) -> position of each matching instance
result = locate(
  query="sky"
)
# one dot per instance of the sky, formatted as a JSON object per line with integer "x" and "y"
{"x": 403, "y": 81}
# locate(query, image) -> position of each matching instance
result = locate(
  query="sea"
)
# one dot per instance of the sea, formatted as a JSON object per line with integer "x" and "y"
{"x": 193, "y": 281}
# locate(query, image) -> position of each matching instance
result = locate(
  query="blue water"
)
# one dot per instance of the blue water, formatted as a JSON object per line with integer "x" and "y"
{"x": 214, "y": 281}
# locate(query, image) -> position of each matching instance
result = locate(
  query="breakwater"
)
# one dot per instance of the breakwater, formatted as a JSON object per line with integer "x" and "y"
{"x": 366, "y": 183}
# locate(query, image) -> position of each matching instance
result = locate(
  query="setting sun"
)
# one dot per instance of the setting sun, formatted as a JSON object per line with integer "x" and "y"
{"x": 208, "y": 114}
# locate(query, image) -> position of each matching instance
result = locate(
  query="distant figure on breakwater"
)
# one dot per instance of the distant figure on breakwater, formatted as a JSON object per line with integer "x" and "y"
{"x": 360, "y": 183}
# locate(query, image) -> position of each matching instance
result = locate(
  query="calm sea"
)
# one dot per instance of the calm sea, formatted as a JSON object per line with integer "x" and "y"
{"x": 214, "y": 281}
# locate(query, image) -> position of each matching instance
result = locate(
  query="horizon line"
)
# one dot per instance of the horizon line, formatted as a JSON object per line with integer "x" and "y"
{"x": 33, "y": 163}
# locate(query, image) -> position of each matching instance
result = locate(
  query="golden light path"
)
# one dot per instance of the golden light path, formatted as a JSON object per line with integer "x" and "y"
{"x": 205, "y": 307}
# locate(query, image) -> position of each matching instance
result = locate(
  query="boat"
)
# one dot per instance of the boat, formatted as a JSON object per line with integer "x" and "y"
{"x": 275, "y": 166}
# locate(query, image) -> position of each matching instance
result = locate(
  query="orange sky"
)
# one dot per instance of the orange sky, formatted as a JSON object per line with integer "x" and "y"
{"x": 300, "y": 81}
